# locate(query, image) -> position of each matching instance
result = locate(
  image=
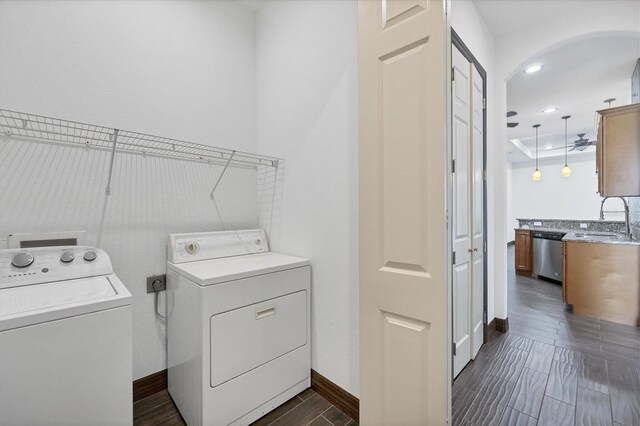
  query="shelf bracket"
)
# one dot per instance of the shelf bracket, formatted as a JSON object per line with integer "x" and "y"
{"x": 113, "y": 156}
{"x": 222, "y": 173}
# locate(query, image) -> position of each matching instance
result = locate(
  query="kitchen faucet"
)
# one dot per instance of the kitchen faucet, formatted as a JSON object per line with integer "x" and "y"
{"x": 626, "y": 213}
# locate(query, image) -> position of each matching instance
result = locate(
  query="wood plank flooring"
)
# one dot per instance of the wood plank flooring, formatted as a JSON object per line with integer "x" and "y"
{"x": 552, "y": 367}
{"x": 307, "y": 408}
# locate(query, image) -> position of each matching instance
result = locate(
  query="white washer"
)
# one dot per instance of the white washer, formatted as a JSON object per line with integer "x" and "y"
{"x": 65, "y": 338}
{"x": 238, "y": 326}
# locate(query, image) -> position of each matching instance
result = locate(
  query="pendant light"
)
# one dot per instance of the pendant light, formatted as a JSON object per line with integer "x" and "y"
{"x": 536, "y": 174}
{"x": 566, "y": 170}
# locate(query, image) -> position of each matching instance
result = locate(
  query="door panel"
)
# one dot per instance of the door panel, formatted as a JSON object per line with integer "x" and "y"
{"x": 403, "y": 241}
{"x": 461, "y": 207}
{"x": 478, "y": 211}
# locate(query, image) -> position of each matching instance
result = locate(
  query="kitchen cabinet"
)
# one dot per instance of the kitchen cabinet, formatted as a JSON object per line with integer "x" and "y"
{"x": 618, "y": 151}
{"x": 524, "y": 253}
{"x": 603, "y": 281}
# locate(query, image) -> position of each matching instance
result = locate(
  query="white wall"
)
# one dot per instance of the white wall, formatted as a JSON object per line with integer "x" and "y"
{"x": 511, "y": 221}
{"x": 307, "y": 113}
{"x": 557, "y": 197}
{"x": 175, "y": 68}
{"x": 471, "y": 28}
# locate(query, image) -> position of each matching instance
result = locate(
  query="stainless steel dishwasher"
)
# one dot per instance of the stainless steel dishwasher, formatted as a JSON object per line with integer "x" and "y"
{"x": 547, "y": 254}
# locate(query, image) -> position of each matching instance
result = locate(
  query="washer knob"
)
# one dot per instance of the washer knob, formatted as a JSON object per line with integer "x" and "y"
{"x": 192, "y": 247}
{"x": 67, "y": 257}
{"x": 90, "y": 256}
{"x": 22, "y": 260}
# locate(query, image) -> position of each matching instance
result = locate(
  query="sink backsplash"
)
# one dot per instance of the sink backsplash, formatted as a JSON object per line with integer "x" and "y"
{"x": 592, "y": 225}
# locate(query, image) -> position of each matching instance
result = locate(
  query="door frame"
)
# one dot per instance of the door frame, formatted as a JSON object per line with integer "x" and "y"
{"x": 466, "y": 52}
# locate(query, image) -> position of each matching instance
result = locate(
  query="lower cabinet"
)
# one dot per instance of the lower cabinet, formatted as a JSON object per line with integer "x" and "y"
{"x": 524, "y": 253}
{"x": 603, "y": 281}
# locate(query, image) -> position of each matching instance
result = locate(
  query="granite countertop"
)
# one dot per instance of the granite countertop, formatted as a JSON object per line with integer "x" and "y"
{"x": 543, "y": 229}
{"x": 572, "y": 235}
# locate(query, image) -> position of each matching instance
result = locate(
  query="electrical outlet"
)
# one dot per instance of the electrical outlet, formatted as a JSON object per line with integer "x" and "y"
{"x": 584, "y": 226}
{"x": 160, "y": 282}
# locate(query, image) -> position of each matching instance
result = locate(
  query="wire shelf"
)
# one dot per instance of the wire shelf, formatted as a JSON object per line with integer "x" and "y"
{"x": 32, "y": 126}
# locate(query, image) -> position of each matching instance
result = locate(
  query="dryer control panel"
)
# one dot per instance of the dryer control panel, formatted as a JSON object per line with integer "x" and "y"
{"x": 214, "y": 245}
{"x": 37, "y": 265}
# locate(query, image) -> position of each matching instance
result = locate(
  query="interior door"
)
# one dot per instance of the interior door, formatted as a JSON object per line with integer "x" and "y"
{"x": 403, "y": 95}
{"x": 477, "y": 224}
{"x": 462, "y": 202}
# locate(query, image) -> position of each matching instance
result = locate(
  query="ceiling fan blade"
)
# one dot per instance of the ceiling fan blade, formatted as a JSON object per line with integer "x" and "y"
{"x": 572, "y": 149}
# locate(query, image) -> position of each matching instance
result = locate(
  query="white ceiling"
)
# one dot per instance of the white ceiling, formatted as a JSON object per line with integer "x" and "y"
{"x": 576, "y": 78}
{"x": 505, "y": 16}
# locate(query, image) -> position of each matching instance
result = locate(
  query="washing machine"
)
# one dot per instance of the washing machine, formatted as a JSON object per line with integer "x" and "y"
{"x": 238, "y": 326}
{"x": 65, "y": 338}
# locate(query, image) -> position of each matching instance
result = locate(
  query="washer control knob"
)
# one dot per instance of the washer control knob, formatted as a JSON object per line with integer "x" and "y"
{"x": 258, "y": 241}
{"x": 90, "y": 256}
{"x": 67, "y": 257}
{"x": 22, "y": 259}
{"x": 192, "y": 247}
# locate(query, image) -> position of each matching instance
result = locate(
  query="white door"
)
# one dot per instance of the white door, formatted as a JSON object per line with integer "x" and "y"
{"x": 403, "y": 95}
{"x": 477, "y": 224}
{"x": 462, "y": 202}
{"x": 468, "y": 208}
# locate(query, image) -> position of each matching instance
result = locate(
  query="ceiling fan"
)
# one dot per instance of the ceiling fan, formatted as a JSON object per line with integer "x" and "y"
{"x": 580, "y": 144}
{"x": 509, "y": 115}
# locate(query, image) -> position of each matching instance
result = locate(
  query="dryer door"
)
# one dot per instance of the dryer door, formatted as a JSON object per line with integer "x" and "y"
{"x": 247, "y": 337}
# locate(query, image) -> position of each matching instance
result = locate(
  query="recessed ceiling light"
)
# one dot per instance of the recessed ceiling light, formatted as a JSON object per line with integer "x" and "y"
{"x": 550, "y": 109}
{"x": 549, "y": 146}
{"x": 533, "y": 68}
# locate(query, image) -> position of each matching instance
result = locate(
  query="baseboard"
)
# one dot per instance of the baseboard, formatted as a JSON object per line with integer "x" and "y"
{"x": 490, "y": 328}
{"x": 148, "y": 385}
{"x": 347, "y": 403}
{"x": 502, "y": 325}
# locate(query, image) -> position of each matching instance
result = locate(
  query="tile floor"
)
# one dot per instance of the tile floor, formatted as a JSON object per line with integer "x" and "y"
{"x": 308, "y": 408}
{"x": 552, "y": 367}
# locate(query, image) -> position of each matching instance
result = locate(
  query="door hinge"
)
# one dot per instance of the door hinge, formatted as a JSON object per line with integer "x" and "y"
{"x": 484, "y": 243}
{"x": 453, "y": 258}
{"x": 484, "y": 316}
{"x": 484, "y": 103}
{"x": 453, "y": 166}
{"x": 453, "y": 74}
{"x": 453, "y": 348}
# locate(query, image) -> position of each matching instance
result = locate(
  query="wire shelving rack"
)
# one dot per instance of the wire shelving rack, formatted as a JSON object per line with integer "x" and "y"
{"x": 22, "y": 125}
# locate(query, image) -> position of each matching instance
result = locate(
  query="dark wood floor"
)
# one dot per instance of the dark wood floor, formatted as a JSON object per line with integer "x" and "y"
{"x": 552, "y": 367}
{"x": 308, "y": 408}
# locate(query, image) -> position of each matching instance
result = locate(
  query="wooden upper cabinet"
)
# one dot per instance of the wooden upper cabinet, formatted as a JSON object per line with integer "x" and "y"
{"x": 618, "y": 151}
{"x": 524, "y": 253}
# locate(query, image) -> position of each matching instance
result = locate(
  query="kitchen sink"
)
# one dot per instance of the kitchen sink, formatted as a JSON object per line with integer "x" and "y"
{"x": 599, "y": 236}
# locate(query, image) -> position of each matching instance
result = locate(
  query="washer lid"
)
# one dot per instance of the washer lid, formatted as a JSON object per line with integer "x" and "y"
{"x": 215, "y": 271}
{"x": 32, "y": 304}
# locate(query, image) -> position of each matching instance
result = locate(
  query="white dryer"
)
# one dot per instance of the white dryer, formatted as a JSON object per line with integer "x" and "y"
{"x": 65, "y": 338}
{"x": 238, "y": 326}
